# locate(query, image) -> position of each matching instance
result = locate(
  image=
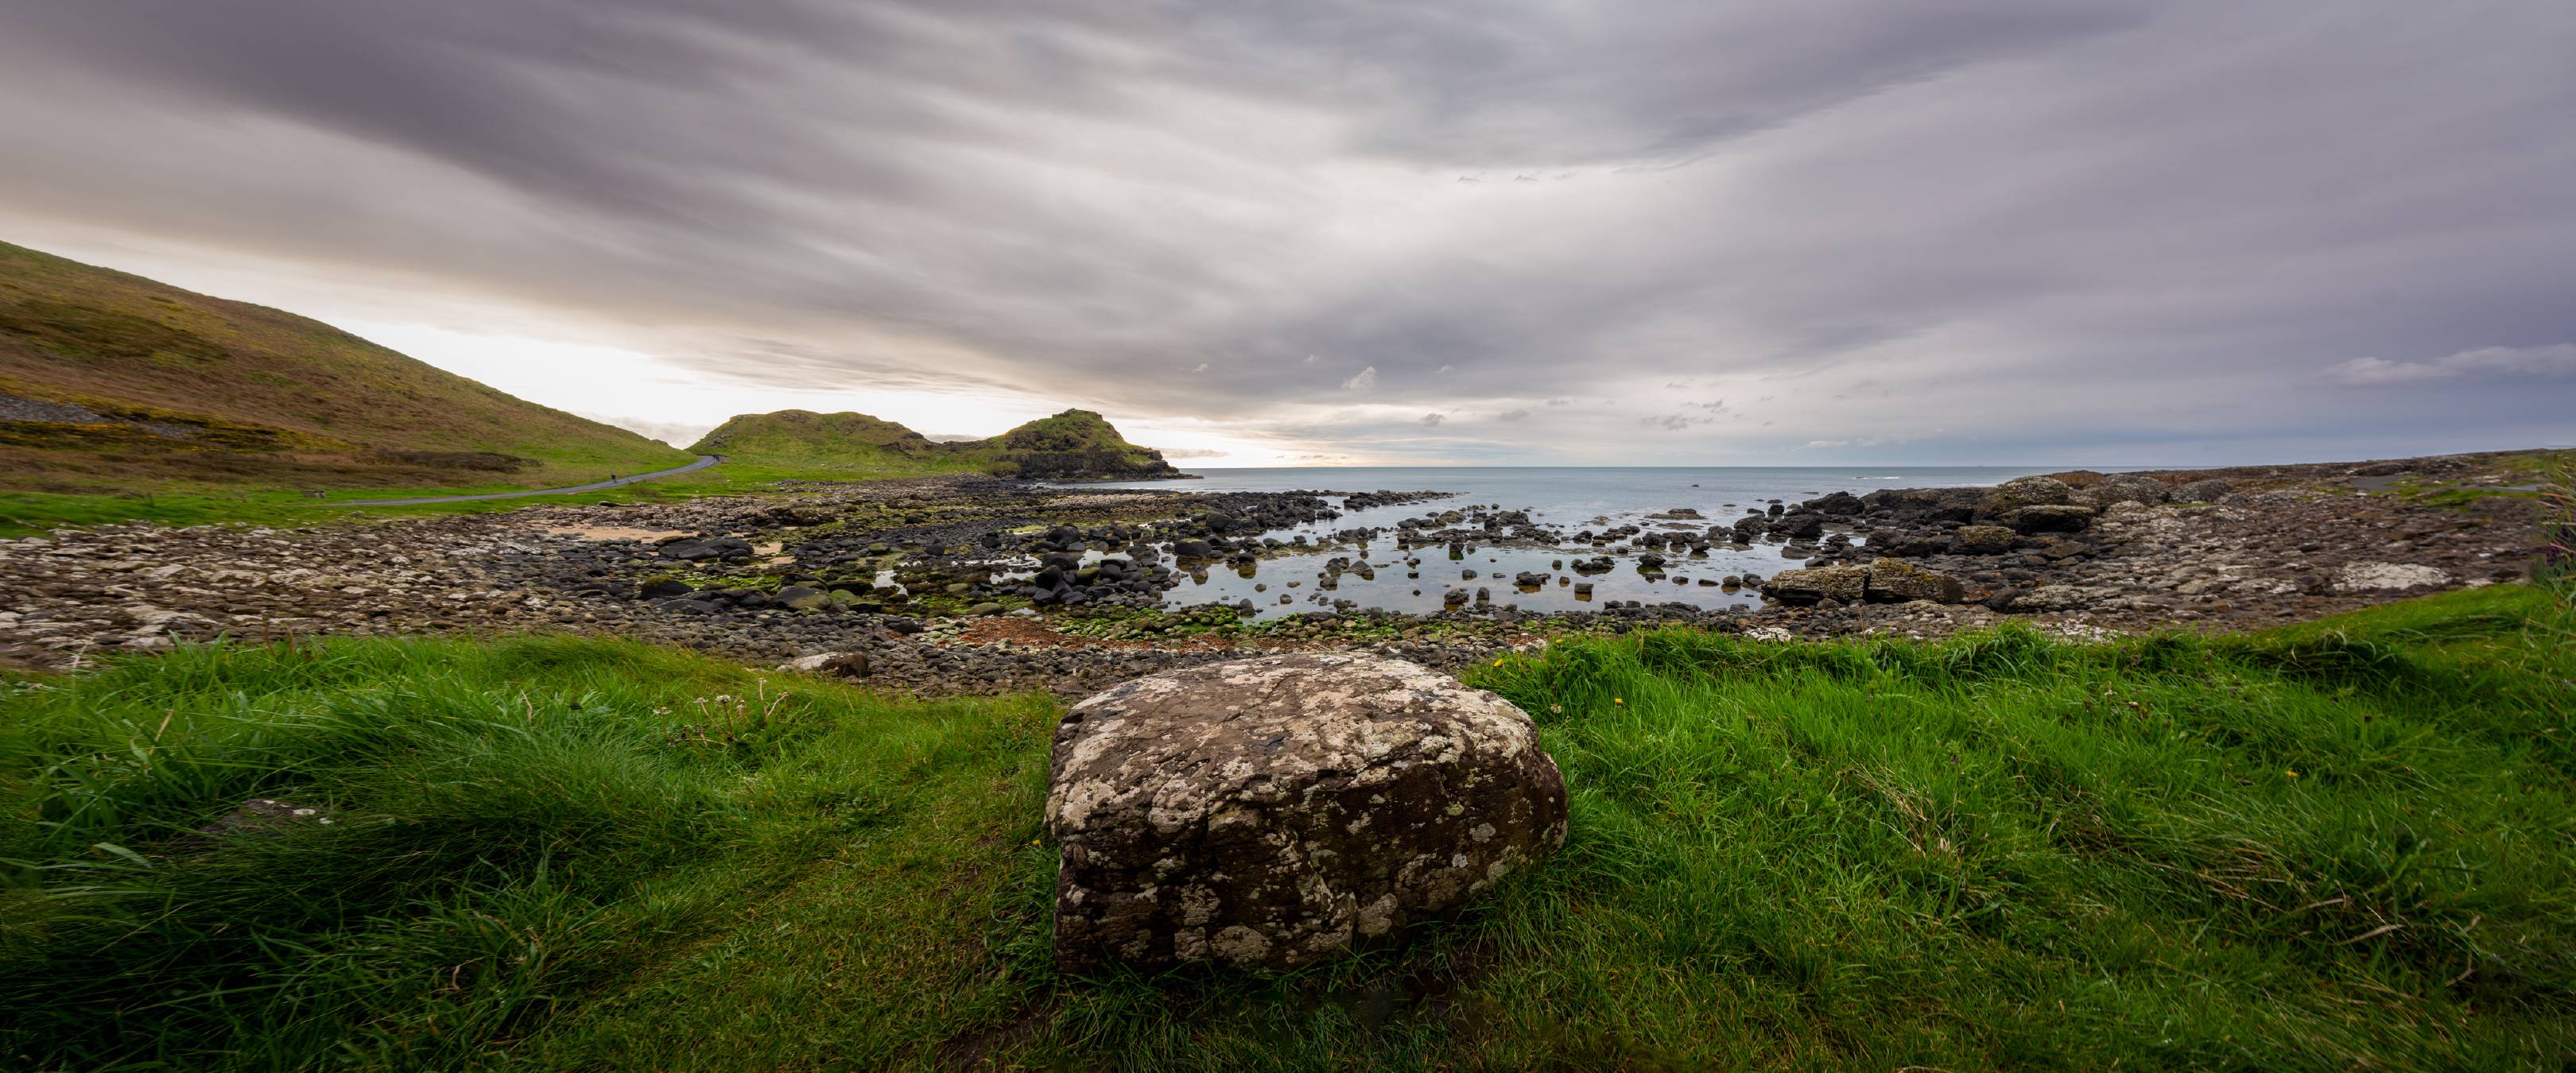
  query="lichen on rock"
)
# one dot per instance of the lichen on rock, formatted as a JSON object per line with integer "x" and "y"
{"x": 1273, "y": 812}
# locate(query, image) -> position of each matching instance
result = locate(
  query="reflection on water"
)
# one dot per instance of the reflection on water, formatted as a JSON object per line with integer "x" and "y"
{"x": 1306, "y": 585}
{"x": 1564, "y": 500}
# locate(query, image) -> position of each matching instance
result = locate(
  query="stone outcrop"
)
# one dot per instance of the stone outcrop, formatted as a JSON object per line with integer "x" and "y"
{"x": 1819, "y": 583}
{"x": 1882, "y": 581}
{"x": 1983, "y": 539}
{"x": 2050, "y": 518}
{"x": 1894, "y": 582}
{"x": 2208, "y": 490}
{"x": 2124, "y": 488}
{"x": 2021, "y": 492}
{"x": 1273, "y": 812}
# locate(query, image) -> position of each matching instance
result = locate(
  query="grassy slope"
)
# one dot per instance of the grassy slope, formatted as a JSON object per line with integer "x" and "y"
{"x": 285, "y": 402}
{"x": 804, "y": 443}
{"x": 2335, "y": 845}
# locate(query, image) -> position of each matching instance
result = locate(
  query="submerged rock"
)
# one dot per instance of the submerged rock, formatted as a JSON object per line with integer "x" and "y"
{"x": 1272, "y": 812}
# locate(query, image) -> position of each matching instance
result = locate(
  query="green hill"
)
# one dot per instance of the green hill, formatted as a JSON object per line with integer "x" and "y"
{"x": 112, "y": 383}
{"x": 1073, "y": 445}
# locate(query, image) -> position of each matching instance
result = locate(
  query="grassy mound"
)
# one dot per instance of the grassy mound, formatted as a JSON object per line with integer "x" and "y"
{"x": 2348, "y": 844}
{"x": 1075, "y": 444}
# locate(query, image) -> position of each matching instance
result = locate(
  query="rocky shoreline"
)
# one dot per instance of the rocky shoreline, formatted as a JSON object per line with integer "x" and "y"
{"x": 975, "y": 585}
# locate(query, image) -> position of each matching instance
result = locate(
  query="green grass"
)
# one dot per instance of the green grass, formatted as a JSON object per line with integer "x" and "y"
{"x": 30, "y": 513}
{"x": 2341, "y": 845}
{"x": 847, "y": 446}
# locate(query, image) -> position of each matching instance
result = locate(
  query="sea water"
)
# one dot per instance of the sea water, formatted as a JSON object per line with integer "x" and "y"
{"x": 1567, "y": 499}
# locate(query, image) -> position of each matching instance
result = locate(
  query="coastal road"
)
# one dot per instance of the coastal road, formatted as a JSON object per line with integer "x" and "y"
{"x": 703, "y": 462}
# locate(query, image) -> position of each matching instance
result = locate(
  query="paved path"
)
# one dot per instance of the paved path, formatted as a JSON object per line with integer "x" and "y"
{"x": 703, "y": 462}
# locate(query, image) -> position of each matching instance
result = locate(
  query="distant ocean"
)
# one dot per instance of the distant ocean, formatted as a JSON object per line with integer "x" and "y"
{"x": 1570, "y": 498}
{"x": 1568, "y": 491}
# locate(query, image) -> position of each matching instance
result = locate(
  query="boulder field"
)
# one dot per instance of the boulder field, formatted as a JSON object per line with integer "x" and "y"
{"x": 979, "y": 586}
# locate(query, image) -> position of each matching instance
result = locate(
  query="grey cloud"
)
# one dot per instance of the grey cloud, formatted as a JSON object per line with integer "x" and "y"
{"x": 2140, "y": 226}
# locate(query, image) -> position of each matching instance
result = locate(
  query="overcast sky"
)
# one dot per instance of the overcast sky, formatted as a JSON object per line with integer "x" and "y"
{"x": 1697, "y": 232}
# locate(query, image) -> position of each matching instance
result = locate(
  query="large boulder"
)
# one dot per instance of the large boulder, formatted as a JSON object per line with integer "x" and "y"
{"x": 1272, "y": 812}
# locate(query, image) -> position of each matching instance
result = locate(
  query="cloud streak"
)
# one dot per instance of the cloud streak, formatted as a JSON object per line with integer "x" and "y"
{"x": 2479, "y": 364}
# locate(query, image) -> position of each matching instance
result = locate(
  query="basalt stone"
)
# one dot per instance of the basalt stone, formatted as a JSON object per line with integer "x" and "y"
{"x": 2059, "y": 518}
{"x": 1801, "y": 526}
{"x": 2123, "y": 488}
{"x": 1893, "y": 582}
{"x": 803, "y": 599}
{"x": 1983, "y": 539}
{"x": 836, "y": 664}
{"x": 698, "y": 550}
{"x": 2022, "y": 492}
{"x": 1841, "y": 583}
{"x": 1835, "y": 503}
{"x": 1272, "y": 813}
{"x": 2208, "y": 490}
{"x": 1919, "y": 544}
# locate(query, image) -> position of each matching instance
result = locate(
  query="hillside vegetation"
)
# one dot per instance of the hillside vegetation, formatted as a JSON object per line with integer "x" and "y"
{"x": 1075, "y": 444}
{"x": 2342, "y": 845}
{"x": 114, "y": 384}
